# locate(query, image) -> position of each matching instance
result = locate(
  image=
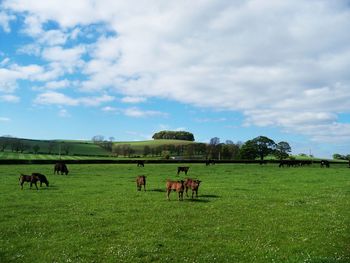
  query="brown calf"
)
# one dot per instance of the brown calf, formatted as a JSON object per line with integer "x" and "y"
{"x": 177, "y": 186}
{"x": 193, "y": 184}
{"x": 32, "y": 179}
{"x": 141, "y": 181}
{"x": 182, "y": 169}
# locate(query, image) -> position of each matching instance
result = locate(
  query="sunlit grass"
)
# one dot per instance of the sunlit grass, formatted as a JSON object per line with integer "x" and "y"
{"x": 244, "y": 213}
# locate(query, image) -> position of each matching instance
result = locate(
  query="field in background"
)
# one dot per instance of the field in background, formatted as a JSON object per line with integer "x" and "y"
{"x": 244, "y": 213}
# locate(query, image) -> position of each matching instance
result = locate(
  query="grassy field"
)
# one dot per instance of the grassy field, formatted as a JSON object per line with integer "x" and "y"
{"x": 244, "y": 213}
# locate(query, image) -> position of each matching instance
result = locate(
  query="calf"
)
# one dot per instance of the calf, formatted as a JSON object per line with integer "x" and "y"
{"x": 42, "y": 178}
{"x": 182, "y": 169}
{"x": 32, "y": 179}
{"x": 141, "y": 181}
{"x": 177, "y": 186}
{"x": 193, "y": 184}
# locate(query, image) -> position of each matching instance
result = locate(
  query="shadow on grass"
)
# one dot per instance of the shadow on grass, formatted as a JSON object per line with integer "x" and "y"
{"x": 197, "y": 200}
{"x": 157, "y": 190}
{"x": 50, "y": 188}
{"x": 210, "y": 196}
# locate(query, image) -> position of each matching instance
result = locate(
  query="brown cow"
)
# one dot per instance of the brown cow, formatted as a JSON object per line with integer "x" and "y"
{"x": 141, "y": 181}
{"x": 177, "y": 186}
{"x": 60, "y": 167}
{"x": 32, "y": 179}
{"x": 182, "y": 169}
{"x": 193, "y": 184}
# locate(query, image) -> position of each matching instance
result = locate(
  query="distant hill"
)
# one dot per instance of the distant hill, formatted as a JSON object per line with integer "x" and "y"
{"x": 55, "y": 147}
{"x": 78, "y": 147}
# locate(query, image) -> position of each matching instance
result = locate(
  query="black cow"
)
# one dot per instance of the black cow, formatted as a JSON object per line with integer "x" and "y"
{"x": 140, "y": 163}
{"x": 324, "y": 163}
{"x": 61, "y": 167}
{"x": 42, "y": 178}
{"x": 182, "y": 169}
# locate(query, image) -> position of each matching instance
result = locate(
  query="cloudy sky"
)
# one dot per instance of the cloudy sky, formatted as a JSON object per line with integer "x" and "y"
{"x": 228, "y": 69}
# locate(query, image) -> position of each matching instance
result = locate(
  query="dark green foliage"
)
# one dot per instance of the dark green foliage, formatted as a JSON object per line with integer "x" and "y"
{"x": 174, "y": 135}
{"x": 258, "y": 147}
{"x": 282, "y": 150}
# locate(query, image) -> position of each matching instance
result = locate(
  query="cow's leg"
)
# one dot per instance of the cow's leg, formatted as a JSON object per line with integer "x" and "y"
{"x": 167, "y": 194}
{"x": 186, "y": 190}
{"x": 144, "y": 187}
{"x": 22, "y": 185}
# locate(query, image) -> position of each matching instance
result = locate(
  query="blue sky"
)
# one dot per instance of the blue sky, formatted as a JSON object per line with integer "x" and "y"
{"x": 228, "y": 69}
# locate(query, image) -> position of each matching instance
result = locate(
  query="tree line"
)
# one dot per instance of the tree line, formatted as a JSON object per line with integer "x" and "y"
{"x": 258, "y": 147}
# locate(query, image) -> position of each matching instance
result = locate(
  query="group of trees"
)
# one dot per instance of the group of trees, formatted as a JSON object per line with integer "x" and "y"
{"x": 174, "y": 135}
{"x": 258, "y": 147}
{"x": 341, "y": 157}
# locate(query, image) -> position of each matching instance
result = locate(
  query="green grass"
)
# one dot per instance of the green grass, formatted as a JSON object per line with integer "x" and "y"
{"x": 244, "y": 213}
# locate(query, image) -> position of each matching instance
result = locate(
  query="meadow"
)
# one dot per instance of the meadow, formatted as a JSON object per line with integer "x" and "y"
{"x": 244, "y": 213}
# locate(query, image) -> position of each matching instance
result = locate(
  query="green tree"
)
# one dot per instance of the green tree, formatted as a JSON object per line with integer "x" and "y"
{"x": 174, "y": 135}
{"x": 258, "y": 147}
{"x": 282, "y": 150}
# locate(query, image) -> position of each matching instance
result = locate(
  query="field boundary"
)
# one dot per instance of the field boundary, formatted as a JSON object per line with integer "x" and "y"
{"x": 131, "y": 161}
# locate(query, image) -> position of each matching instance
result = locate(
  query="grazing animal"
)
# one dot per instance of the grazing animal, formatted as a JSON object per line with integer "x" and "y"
{"x": 209, "y": 162}
{"x": 61, "y": 167}
{"x": 193, "y": 184}
{"x": 141, "y": 181}
{"x": 324, "y": 163}
{"x": 32, "y": 179}
{"x": 141, "y": 163}
{"x": 182, "y": 169}
{"x": 42, "y": 178}
{"x": 177, "y": 186}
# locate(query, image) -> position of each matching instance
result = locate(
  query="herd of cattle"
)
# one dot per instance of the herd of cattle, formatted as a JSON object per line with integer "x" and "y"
{"x": 180, "y": 186}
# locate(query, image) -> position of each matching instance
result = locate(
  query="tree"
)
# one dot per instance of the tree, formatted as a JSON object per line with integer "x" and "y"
{"x": 282, "y": 150}
{"x": 258, "y": 147}
{"x": 146, "y": 150}
{"x": 36, "y": 148}
{"x": 265, "y": 146}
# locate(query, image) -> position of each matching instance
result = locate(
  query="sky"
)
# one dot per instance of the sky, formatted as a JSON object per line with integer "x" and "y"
{"x": 228, "y": 69}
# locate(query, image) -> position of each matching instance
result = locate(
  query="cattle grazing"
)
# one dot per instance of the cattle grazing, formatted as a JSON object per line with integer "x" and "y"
{"x": 324, "y": 163}
{"x": 42, "y": 178}
{"x": 177, "y": 186}
{"x": 289, "y": 163}
{"x": 32, "y": 179}
{"x": 209, "y": 162}
{"x": 140, "y": 163}
{"x": 193, "y": 184}
{"x": 60, "y": 167}
{"x": 182, "y": 169}
{"x": 141, "y": 181}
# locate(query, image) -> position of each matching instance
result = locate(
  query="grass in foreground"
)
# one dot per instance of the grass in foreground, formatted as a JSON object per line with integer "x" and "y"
{"x": 244, "y": 213}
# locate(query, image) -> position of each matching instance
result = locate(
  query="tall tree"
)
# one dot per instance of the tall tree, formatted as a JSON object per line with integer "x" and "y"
{"x": 282, "y": 150}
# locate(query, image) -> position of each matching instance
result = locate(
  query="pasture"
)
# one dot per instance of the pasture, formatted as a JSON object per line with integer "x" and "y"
{"x": 244, "y": 213}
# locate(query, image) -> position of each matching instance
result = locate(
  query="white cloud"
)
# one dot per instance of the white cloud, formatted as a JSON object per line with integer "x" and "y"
{"x": 56, "y": 98}
{"x": 139, "y": 113}
{"x": 129, "y": 99}
{"x": 5, "y": 20}
{"x": 282, "y": 63}
{"x": 9, "y": 98}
